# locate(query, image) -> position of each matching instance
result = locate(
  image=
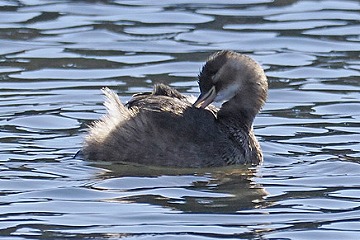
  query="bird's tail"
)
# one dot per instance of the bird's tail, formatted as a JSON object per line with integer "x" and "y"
{"x": 117, "y": 112}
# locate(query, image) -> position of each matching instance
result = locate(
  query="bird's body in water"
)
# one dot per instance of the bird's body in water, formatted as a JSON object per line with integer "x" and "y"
{"x": 164, "y": 128}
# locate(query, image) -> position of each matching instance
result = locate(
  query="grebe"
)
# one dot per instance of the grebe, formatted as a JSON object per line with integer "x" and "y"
{"x": 164, "y": 128}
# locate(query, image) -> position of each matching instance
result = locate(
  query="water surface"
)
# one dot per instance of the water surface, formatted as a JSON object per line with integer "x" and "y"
{"x": 56, "y": 55}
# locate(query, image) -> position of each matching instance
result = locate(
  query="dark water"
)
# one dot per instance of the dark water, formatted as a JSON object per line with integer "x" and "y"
{"x": 56, "y": 55}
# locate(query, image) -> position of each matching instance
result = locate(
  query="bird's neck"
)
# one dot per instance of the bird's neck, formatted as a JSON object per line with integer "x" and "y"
{"x": 241, "y": 122}
{"x": 236, "y": 115}
{"x": 240, "y": 111}
{"x": 238, "y": 126}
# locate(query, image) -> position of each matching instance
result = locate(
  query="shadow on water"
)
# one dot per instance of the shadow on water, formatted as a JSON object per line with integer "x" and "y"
{"x": 221, "y": 190}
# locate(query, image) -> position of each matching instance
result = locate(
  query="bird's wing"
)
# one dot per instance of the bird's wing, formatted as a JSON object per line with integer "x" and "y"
{"x": 162, "y": 98}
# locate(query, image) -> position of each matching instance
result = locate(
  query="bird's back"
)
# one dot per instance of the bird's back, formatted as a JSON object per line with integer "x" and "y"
{"x": 160, "y": 128}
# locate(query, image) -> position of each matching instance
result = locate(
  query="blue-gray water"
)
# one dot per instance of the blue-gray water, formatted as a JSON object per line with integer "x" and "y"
{"x": 56, "y": 55}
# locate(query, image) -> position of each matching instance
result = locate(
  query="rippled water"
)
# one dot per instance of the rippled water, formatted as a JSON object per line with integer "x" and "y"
{"x": 56, "y": 55}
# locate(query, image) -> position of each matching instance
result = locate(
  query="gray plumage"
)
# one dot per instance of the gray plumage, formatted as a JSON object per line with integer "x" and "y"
{"x": 164, "y": 128}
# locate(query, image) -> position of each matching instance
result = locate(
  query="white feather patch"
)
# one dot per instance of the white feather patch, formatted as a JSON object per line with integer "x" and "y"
{"x": 227, "y": 93}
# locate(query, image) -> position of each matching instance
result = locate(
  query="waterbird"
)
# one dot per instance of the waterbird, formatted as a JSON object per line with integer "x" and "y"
{"x": 165, "y": 128}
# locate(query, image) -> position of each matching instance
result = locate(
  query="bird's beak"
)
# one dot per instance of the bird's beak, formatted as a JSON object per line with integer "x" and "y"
{"x": 205, "y": 99}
